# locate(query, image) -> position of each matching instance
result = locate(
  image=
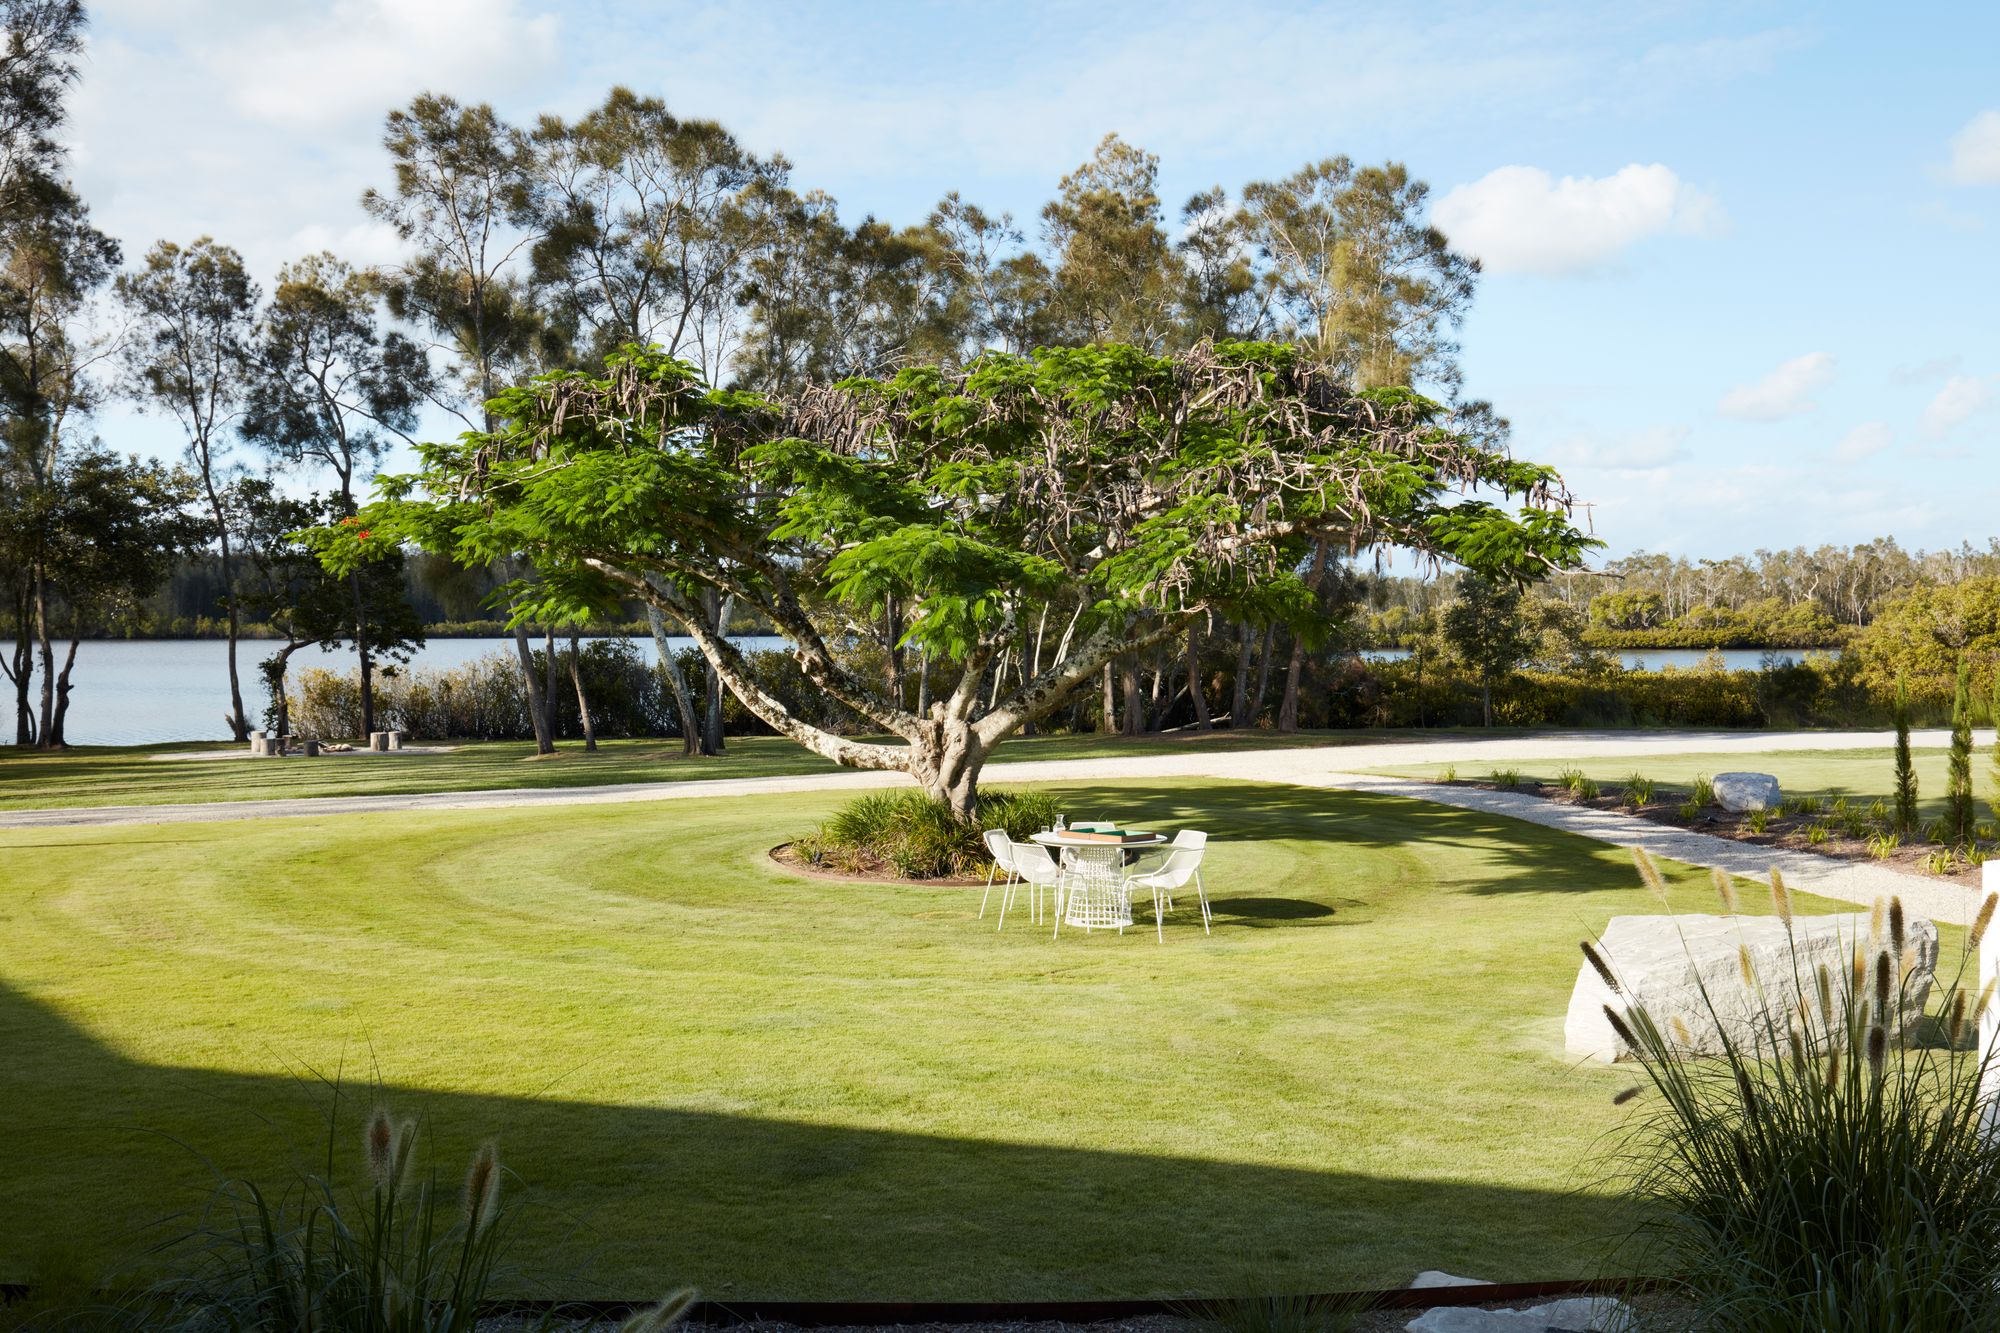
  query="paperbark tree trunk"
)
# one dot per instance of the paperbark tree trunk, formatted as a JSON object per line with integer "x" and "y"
{"x": 1239, "y": 685}
{"x": 1108, "y": 724}
{"x": 582, "y": 701}
{"x": 1135, "y": 712}
{"x": 367, "y": 663}
{"x": 538, "y": 703}
{"x": 1288, "y": 707}
{"x": 1201, "y": 718}
{"x": 676, "y": 680}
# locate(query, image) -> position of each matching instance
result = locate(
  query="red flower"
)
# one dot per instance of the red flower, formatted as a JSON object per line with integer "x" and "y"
{"x": 364, "y": 534}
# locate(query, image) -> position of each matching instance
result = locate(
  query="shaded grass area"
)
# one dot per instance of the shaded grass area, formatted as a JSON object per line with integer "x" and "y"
{"x": 708, "y": 1071}
{"x": 1864, "y": 775}
{"x": 138, "y": 775}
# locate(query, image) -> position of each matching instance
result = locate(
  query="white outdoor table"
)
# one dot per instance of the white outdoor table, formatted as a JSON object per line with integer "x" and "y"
{"x": 1095, "y": 895}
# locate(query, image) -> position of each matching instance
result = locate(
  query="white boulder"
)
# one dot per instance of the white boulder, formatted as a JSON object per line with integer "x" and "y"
{"x": 1432, "y": 1277}
{"x": 1578, "y": 1314}
{"x": 1678, "y": 967}
{"x": 1739, "y": 793}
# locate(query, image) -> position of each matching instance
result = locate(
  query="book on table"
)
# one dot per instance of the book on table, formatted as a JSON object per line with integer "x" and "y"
{"x": 1112, "y": 837}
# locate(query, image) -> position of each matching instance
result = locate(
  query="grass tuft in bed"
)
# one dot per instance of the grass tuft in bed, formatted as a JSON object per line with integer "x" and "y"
{"x": 909, "y": 834}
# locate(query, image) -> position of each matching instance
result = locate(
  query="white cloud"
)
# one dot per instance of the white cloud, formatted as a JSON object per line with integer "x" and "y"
{"x": 1634, "y": 451}
{"x": 1521, "y": 219}
{"x": 1960, "y": 398}
{"x": 1975, "y": 151}
{"x": 356, "y": 57}
{"x": 1785, "y": 392}
{"x": 1864, "y": 441}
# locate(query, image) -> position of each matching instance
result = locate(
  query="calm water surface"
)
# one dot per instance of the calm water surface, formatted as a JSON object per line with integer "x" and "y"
{"x": 148, "y": 691}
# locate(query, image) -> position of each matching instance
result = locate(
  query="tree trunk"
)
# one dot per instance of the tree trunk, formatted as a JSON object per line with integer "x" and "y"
{"x": 1288, "y": 707}
{"x": 1486, "y": 698}
{"x": 538, "y": 710}
{"x": 239, "y": 725}
{"x": 21, "y": 671}
{"x": 367, "y": 663}
{"x": 893, "y": 634}
{"x": 1135, "y": 713}
{"x": 946, "y": 761}
{"x": 1201, "y": 718}
{"x": 677, "y": 679}
{"x": 1109, "y": 722}
{"x": 582, "y": 703}
{"x": 712, "y": 742}
{"x": 923, "y": 684}
{"x": 280, "y": 679}
{"x": 45, "y": 737}
{"x": 549, "y": 679}
{"x": 1239, "y": 686}
{"x": 1263, "y": 673}
{"x": 54, "y": 734}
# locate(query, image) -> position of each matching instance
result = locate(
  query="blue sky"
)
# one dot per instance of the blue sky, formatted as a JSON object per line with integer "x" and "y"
{"x": 1741, "y": 277}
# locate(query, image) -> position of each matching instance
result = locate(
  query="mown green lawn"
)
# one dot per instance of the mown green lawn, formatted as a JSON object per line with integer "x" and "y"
{"x": 705, "y": 1070}
{"x": 139, "y": 775}
{"x": 1863, "y": 775}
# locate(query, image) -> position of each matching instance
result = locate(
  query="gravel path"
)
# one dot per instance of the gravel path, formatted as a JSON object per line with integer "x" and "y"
{"x": 1328, "y": 766}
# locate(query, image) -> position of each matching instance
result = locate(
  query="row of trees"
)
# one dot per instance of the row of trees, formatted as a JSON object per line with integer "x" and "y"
{"x": 1795, "y": 599}
{"x": 545, "y": 248}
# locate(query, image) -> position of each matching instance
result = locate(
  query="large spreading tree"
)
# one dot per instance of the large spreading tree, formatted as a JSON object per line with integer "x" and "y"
{"x": 1104, "y": 498}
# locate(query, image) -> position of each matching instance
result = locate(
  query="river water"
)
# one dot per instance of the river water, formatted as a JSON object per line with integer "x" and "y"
{"x": 149, "y": 691}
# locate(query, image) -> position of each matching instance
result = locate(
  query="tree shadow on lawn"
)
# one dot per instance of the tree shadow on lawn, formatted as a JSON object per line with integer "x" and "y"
{"x": 1505, "y": 855}
{"x": 626, "y": 1201}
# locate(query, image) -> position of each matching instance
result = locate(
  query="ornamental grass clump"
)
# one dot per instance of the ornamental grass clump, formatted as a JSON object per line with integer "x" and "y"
{"x": 393, "y": 1248}
{"x": 1823, "y": 1175}
{"x": 1636, "y": 790}
{"x": 912, "y": 836}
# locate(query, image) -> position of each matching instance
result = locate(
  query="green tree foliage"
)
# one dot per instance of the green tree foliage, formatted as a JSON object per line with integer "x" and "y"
{"x": 1356, "y": 273}
{"x": 1906, "y": 768}
{"x": 194, "y": 315}
{"x": 1958, "y": 765}
{"x": 1485, "y": 628}
{"x": 1925, "y": 635}
{"x": 332, "y": 390}
{"x": 1131, "y": 494}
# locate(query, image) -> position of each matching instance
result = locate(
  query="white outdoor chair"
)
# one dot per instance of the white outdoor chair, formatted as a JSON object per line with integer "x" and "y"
{"x": 1036, "y": 867}
{"x": 1183, "y": 863}
{"x": 1002, "y": 849}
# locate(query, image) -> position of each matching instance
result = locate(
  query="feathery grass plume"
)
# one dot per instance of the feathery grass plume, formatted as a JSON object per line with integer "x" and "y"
{"x": 659, "y": 1318}
{"x": 1680, "y": 1030}
{"x": 1860, "y": 979}
{"x": 1650, "y": 873}
{"x": 1981, "y": 922}
{"x": 1985, "y": 998}
{"x": 1878, "y": 1050}
{"x": 1896, "y": 936}
{"x": 1878, "y": 917}
{"x": 1725, "y": 889}
{"x": 482, "y": 1187}
{"x": 1626, "y": 1095}
{"x": 1602, "y": 968}
{"x": 1781, "y": 897}
{"x": 1743, "y": 965}
{"x": 1832, "y": 1067}
{"x": 1882, "y": 966}
{"x": 406, "y": 1154}
{"x": 1825, "y": 994}
{"x": 1955, "y": 1026}
{"x": 380, "y": 1140}
{"x": 1798, "y": 1040}
{"x": 1618, "y": 1026}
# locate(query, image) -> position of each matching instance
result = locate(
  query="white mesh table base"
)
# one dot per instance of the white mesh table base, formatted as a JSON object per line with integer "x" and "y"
{"x": 1095, "y": 896}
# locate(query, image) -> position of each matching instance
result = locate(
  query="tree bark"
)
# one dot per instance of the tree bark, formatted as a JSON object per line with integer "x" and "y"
{"x": 677, "y": 680}
{"x": 239, "y": 725}
{"x": 45, "y": 737}
{"x": 1288, "y": 707}
{"x": 538, "y": 711}
{"x": 1109, "y": 722}
{"x": 1135, "y": 712}
{"x": 712, "y": 742}
{"x": 549, "y": 679}
{"x": 21, "y": 671}
{"x": 582, "y": 702}
{"x": 1201, "y": 718}
{"x": 55, "y": 731}
{"x": 1239, "y": 685}
{"x": 1263, "y": 673}
{"x": 367, "y": 663}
